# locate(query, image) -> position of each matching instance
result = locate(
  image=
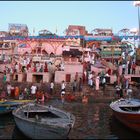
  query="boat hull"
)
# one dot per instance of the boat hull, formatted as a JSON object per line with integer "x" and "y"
{"x": 43, "y": 126}
{"x": 38, "y": 131}
{"x": 130, "y": 120}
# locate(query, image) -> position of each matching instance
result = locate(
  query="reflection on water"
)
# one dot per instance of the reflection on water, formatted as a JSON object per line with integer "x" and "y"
{"x": 93, "y": 121}
{"x": 6, "y": 126}
{"x": 17, "y": 134}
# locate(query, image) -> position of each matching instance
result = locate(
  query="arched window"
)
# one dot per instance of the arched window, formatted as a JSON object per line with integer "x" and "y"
{"x": 39, "y": 50}
{"x": 44, "y": 52}
{"x": 26, "y": 53}
{"x": 51, "y": 54}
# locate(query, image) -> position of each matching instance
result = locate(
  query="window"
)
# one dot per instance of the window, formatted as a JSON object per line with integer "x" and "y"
{"x": 68, "y": 77}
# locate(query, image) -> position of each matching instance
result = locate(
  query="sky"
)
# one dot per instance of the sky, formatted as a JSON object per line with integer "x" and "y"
{"x": 52, "y": 15}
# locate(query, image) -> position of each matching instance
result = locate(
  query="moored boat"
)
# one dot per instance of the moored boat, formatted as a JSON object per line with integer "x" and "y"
{"x": 127, "y": 111}
{"x": 9, "y": 105}
{"x": 43, "y": 122}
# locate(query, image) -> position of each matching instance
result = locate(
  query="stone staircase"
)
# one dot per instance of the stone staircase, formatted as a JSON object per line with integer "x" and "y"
{"x": 110, "y": 90}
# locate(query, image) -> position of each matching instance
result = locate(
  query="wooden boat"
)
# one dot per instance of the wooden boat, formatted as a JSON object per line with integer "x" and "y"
{"x": 127, "y": 111}
{"x": 9, "y": 105}
{"x": 38, "y": 121}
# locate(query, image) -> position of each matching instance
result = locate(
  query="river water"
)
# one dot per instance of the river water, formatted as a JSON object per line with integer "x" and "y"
{"x": 93, "y": 121}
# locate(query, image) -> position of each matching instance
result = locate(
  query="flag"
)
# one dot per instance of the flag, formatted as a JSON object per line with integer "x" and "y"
{"x": 33, "y": 31}
{"x": 56, "y": 30}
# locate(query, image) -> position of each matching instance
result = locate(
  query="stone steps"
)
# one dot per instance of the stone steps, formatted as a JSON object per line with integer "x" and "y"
{"x": 45, "y": 87}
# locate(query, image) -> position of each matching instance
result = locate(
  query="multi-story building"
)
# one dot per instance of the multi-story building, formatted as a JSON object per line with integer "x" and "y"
{"x": 18, "y": 30}
{"x": 111, "y": 52}
{"x": 102, "y": 32}
{"x": 73, "y": 48}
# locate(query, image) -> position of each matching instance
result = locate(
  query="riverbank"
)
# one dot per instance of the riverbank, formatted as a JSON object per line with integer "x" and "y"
{"x": 93, "y": 96}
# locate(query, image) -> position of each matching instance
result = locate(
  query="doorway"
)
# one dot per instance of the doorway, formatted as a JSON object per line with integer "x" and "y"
{"x": 37, "y": 78}
{"x": 68, "y": 77}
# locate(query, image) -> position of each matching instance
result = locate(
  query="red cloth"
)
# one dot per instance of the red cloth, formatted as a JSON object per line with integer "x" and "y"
{"x": 46, "y": 70}
{"x": 109, "y": 72}
{"x": 12, "y": 92}
{"x": 70, "y": 97}
{"x": 34, "y": 69}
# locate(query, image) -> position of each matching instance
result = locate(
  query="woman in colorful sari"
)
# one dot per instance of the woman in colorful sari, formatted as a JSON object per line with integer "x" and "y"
{"x": 16, "y": 92}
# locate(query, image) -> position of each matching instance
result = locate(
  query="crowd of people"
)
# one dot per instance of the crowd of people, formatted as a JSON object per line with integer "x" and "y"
{"x": 26, "y": 64}
{"x": 90, "y": 78}
{"x": 35, "y": 92}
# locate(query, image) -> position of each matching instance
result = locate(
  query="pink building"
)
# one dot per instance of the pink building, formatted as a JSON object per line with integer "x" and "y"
{"x": 40, "y": 46}
{"x": 69, "y": 72}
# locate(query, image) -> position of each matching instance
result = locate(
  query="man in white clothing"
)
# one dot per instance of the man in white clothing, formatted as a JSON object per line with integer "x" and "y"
{"x": 51, "y": 87}
{"x": 9, "y": 87}
{"x": 33, "y": 90}
{"x": 63, "y": 86}
{"x": 129, "y": 92}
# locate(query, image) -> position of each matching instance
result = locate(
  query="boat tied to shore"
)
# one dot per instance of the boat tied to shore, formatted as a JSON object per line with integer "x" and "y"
{"x": 8, "y": 106}
{"x": 38, "y": 121}
{"x": 127, "y": 111}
